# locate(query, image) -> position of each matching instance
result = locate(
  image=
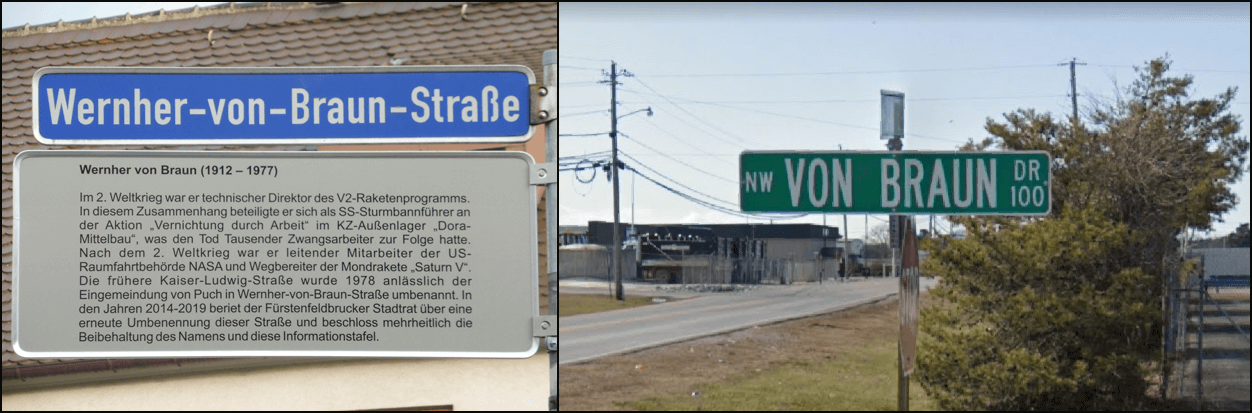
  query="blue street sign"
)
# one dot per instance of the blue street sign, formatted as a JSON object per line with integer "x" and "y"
{"x": 315, "y": 105}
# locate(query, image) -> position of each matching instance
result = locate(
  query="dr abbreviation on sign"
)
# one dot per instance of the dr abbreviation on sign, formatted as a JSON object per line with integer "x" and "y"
{"x": 1009, "y": 183}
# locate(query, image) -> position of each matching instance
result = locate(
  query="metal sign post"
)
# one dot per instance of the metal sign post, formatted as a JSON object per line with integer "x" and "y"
{"x": 550, "y": 132}
{"x": 893, "y": 130}
{"x": 901, "y": 184}
{"x": 909, "y": 300}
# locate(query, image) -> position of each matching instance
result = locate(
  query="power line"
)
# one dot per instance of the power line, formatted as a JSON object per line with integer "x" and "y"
{"x": 578, "y": 160}
{"x": 564, "y": 56}
{"x": 563, "y": 107}
{"x": 636, "y": 161}
{"x": 583, "y": 156}
{"x": 579, "y": 167}
{"x": 1180, "y": 70}
{"x": 581, "y": 135}
{"x": 684, "y": 122}
{"x": 694, "y": 154}
{"x": 684, "y": 142}
{"x": 719, "y": 208}
{"x": 768, "y": 113}
{"x": 584, "y": 113}
{"x": 596, "y": 157}
{"x": 709, "y": 205}
{"x": 676, "y": 160}
{"x": 693, "y": 115}
{"x": 909, "y": 100}
{"x": 914, "y": 135}
{"x": 850, "y": 72}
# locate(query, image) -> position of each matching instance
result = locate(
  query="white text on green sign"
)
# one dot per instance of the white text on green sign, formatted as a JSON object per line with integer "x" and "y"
{"x": 958, "y": 183}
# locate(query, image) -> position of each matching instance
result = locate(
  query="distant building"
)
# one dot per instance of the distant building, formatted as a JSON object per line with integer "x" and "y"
{"x": 1225, "y": 261}
{"x": 572, "y": 235}
{"x": 1227, "y": 267}
{"x": 782, "y": 253}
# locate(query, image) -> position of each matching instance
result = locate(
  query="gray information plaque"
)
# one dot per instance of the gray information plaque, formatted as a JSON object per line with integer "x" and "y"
{"x": 222, "y": 254}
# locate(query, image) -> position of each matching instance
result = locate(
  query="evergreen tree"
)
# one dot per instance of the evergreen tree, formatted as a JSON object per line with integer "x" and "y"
{"x": 1240, "y": 238}
{"x": 1060, "y": 312}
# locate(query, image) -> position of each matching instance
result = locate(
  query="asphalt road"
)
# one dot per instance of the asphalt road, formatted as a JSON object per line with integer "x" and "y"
{"x": 588, "y": 336}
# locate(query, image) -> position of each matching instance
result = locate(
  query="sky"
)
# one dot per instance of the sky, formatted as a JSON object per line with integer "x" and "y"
{"x": 808, "y": 77}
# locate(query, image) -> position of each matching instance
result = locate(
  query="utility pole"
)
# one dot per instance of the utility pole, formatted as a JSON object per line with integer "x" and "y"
{"x": 1073, "y": 91}
{"x": 616, "y": 265}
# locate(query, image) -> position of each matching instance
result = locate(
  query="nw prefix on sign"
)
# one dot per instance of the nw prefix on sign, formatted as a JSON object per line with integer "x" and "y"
{"x": 320, "y": 105}
{"x": 958, "y": 183}
{"x": 220, "y": 254}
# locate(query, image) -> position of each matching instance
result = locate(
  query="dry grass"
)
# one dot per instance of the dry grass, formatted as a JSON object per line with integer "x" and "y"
{"x": 574, "y": 304}
{"x": 844, "y": 360}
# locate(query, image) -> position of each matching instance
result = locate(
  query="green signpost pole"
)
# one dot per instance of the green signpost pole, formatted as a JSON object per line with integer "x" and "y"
{"x": 893, "y": 130}
{"x": 900, "y": 184}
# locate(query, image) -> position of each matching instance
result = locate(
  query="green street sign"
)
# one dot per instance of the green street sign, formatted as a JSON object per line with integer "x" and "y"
{"x": 880, "y": 182}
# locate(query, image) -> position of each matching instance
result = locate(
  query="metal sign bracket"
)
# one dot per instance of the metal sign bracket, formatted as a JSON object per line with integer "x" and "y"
{"x": 541, "y": 173}
{"x": 544, "y": 325}
{"x": 542, "y": 104}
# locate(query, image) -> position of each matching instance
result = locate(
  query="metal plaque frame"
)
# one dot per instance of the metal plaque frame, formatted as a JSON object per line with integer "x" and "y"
{"x": 36, "y": 99}
{"x": 532, "y": 266}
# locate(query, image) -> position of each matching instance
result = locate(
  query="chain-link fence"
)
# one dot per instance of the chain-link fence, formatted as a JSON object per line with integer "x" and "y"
{"x": 1207, "y": 344}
